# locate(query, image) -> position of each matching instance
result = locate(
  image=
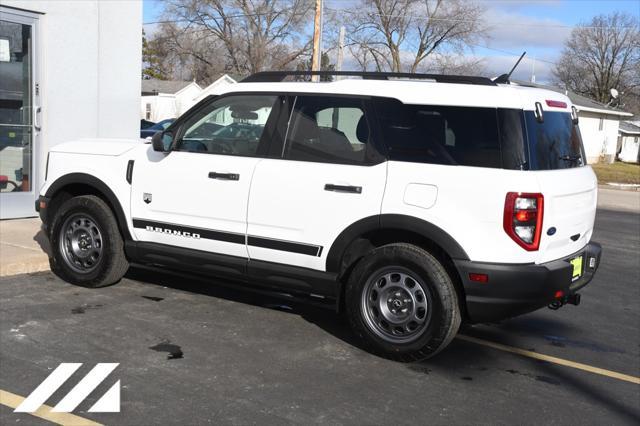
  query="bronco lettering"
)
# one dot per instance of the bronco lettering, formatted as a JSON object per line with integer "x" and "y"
{"x": 173, "y": 232}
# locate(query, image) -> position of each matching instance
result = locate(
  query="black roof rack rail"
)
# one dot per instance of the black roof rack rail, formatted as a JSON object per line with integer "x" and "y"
{"x": 278, "y": 76}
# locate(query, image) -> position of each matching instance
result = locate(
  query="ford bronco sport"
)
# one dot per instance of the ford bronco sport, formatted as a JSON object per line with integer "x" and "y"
{"x": 410, "y": 204}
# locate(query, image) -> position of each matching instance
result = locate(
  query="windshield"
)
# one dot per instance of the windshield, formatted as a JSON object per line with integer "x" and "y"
{"x": 237, "y": 130}
{"x": 555, "y": 143}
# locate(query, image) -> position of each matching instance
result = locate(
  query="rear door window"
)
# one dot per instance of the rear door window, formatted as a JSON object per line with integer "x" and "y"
{"x": 329, "y": 129}
{"x": 554, "y": 143}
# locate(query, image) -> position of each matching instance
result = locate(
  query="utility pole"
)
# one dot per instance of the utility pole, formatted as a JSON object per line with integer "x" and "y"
{"x": 315, "y": 58}
{"x": 340, "y": 49}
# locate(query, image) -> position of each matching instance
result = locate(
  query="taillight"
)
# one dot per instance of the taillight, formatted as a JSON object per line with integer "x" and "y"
{"x": 523, "y": 219}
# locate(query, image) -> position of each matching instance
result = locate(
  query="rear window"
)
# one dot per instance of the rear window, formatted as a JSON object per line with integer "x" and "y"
{"x": 554, "y": 143}
{"x": 479, "y": 137}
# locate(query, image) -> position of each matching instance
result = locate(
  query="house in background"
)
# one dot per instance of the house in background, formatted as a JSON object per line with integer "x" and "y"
{"x": 599, "y": 127}
{"x": 215, "y": 88}
{"x": 65, "y": 74}
{"x": 598, "y": 124}
{"x": 162, "y": 99}
{"x": 629, "y": 142}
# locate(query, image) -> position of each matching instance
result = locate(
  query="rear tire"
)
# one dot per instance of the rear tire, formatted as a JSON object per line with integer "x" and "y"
{"x": 87, "y": 246}
{"x": 402, "y": 303}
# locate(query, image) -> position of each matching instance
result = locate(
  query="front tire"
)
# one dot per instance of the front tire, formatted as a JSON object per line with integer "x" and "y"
{"x": 402, "y": 303}
{"x": 87, "y": 246}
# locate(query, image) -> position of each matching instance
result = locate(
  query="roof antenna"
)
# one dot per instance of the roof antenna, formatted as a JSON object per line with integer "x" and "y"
{"x": 504, "y": 78}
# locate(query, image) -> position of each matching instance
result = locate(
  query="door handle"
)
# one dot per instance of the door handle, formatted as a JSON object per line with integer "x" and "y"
{"x": 36, "y": 119}
{"x": 224, "y": 176}
{"x": 343, "y": 188}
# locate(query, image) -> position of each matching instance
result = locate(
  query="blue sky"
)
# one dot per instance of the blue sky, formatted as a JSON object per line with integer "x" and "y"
{"x": 538, "y": 26}
{"x": 151, "y": 10}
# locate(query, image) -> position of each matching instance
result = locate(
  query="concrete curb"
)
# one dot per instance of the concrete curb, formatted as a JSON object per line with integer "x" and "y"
{"x": 621, "y": 186}
{"x": 28, "y": 267}
{"x": 24, "y": 248}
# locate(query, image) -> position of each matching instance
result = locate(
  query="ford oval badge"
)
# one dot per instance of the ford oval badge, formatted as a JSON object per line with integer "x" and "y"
{"x": 551, "y": 230}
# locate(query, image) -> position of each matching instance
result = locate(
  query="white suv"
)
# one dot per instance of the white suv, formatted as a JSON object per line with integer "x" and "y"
{"x": 411, "y": 205}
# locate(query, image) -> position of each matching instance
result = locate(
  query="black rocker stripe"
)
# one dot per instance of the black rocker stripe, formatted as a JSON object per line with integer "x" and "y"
{"x": 231, "y": 237}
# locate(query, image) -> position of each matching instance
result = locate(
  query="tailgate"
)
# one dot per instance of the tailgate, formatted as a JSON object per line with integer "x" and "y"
{"x": 570, "y": 198}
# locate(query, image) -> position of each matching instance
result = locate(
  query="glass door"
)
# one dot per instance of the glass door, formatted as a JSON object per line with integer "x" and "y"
{"x": 18, "y": 177}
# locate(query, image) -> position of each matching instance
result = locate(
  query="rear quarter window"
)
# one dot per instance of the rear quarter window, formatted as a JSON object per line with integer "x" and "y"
{"x": 452, "y": 135}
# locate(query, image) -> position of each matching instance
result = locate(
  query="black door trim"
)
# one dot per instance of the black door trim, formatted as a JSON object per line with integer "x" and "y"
{"x": 229, "y": 237}
{"x": 290, "y": 246}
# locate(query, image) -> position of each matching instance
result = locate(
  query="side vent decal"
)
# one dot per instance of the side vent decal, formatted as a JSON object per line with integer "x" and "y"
{"x": 130, "y": 171}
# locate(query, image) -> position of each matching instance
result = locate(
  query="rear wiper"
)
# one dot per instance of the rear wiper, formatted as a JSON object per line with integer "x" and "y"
{"x": 572, "y": 158}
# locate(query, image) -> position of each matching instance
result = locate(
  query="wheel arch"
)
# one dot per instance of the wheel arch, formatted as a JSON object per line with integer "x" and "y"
{"x": 369, "y": 233}
{"x": 402, "y": 225}
{"x": 75, "y": 184}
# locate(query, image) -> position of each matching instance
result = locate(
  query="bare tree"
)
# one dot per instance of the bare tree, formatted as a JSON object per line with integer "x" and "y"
{"x": 188, "y": 54}
{"x": 248, "y": 35}
{"x": 601, "y": 55}
{"x": 453, "y": 64}
{"x": 398, "y": 35}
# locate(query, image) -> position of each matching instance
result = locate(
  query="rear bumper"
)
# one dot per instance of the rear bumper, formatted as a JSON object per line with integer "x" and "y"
{"x": 513, "y": 290}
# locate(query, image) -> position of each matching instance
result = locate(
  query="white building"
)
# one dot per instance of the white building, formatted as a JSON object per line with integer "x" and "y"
{"x": 216, "y": 87}
{"x": 68, "y": 69}
{"x": 599, "y": 126}
{"x": 162, "y": 99}
{"x": 629, "y": 142}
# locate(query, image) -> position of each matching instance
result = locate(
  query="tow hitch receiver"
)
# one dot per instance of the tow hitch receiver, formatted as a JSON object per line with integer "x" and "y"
{"x": 572, "y": 299}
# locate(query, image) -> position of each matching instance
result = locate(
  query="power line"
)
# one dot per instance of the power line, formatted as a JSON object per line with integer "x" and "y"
{"x": 221, "y": 17}
{"x": 511, "y": 53}
{"x": 470, "y": 21}
{"x": 426, "y": 18}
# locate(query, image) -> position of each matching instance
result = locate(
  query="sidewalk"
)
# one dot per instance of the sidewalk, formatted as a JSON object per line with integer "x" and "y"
{"x": 23, "y": 247}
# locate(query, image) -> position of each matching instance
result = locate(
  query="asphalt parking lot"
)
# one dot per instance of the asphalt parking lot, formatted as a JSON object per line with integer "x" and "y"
{"x": 191, "y": 352}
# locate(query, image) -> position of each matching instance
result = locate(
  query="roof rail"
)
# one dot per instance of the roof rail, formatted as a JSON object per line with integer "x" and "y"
{"x": 278, "y": 76}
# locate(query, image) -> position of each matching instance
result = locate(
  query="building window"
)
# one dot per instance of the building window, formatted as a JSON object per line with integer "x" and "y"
{"x": 601, "y": 124}
{"x": 148, "y": 114}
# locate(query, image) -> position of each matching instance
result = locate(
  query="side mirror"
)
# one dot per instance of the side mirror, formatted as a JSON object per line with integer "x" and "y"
{"x": 574, "y": 115}
{"x": 161, "y": 141}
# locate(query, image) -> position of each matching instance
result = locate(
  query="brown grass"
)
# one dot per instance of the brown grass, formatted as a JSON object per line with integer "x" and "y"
{"x": 617, "y": 172}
